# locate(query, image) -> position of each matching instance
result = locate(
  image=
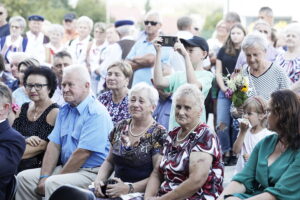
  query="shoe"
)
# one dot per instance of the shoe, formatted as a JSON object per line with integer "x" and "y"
{"x": 232, "y": 161}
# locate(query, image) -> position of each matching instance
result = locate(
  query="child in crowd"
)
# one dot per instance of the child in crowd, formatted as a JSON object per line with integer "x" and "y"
{"x": 252, "y": 129}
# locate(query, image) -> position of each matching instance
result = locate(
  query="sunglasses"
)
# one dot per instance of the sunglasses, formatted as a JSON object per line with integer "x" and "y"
{"x": 152, "y": 23}
{"x": 1, "y": 13}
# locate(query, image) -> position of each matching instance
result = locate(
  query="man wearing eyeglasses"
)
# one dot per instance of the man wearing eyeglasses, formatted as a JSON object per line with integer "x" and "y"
{"x": 4, "y": 27}
{"x": 142, "y": 54}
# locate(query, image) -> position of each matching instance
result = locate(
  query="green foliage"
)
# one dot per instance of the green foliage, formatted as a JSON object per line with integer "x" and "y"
{"x": 238, "y": 98}
{"x": 95, "y": 9}
{"x": 54, "y": 10}
{"x": 211, "y": 21}
{"x": 147, "y": 6}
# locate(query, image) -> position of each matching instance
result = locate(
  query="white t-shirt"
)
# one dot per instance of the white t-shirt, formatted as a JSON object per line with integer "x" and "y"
{"x": 251, "y": 139}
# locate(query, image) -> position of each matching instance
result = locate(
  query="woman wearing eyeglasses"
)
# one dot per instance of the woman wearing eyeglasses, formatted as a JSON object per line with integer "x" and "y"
{"x": 37, "y": 118}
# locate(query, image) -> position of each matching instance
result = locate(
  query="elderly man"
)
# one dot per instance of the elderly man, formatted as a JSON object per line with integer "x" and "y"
{"x": 78, "y": 47}
{"x": 79, "y": 138}
{"x": 69, "y": 24}
{"x": 36, "y": 39}
{"x": 4, "y": 27}
{"x": 117, "y": 51}
{"x": 60, "y": 60}
{"x": 142, "y": 54}
{"x": 12, "y": 144}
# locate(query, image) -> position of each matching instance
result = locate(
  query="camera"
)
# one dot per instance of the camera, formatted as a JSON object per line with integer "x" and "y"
{"x": 103, "y": 188}
{"x": 168, "y": 41}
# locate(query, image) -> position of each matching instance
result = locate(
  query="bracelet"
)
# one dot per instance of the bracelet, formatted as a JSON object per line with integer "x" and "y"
{"x": 131, "y": 189}
{"x": 43, "y": 176}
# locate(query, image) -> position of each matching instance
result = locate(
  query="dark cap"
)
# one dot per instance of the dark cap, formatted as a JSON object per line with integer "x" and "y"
{"x": 36, "y": 18}
{"x": 123, "y": 22}
{"x": 196, "y": 42}
{"x": 70, "y": 16}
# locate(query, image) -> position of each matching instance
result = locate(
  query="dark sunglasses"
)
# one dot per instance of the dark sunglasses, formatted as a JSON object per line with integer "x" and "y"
{"x": 152, "y": 23}
{"x": 1, "y": 13}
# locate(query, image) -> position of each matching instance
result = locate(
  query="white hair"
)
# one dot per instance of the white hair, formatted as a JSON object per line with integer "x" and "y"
{"x": 191, "y": 91}
{"x": 87, "y": 20}
{"x": 56, "y": 28}
{"x": 125, "y": 30}
{"x": 154, "y": 13}
{"x": 18, "y": 57}
{"x": 152, "y": 93}
{"x": 293, "y": 27}
{"x": 80, "y": 71}
{"x": 20, "y": 20}
{"x": 254, "y": 39}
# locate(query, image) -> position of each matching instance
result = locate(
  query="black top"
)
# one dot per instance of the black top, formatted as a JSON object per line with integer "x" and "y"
{"x": 228, "y": 61}
{"x": 12, "y": 146}
{"x": 39, "y": 128}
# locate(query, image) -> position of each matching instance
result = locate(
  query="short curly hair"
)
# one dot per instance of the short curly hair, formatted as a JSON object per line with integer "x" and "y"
{"x": 43, "y": 71}
{"x": 286, "y": 106}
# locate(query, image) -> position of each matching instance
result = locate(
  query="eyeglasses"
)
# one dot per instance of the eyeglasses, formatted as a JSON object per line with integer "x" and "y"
{"x": 1, "y": 13}
{"x": 152, "y": 23}
{"x": 36, "y": 86}
{"x": 15, "y": 27}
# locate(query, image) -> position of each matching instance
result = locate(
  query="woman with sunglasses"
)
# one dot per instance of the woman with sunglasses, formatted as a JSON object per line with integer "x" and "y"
{"x": 37, "y": 118}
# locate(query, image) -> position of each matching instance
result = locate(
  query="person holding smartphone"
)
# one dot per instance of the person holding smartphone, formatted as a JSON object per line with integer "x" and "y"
{"x": 194, "y": 51}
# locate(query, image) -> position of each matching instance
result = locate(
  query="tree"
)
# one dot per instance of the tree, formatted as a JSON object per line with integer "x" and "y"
{"x": 95, "y": 9}
{"x": 211, "y": 21}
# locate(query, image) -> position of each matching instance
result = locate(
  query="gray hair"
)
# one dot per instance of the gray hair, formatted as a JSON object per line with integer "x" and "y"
{"x": 150, "y": 90}
{"x": 85, "y": 19}
{"x": 80, "y": 71}
{"x": 293, "y": 27}
{"x": 125, "y": 30}
{"x": 184, "y": 23}
{"x": 266, "y": 10}
{"x": 154, "y": 13}
{"x": 255, "y": 39}
{"x": 192, "y": 91}
{"x": 18, "y": 56}
{"x": 5, "y": 94}
{"x": 262, "y": 22}
{"x": 20, "y": 20}
{"x": 56, "y": 28}
{"x": 100, "y": 25}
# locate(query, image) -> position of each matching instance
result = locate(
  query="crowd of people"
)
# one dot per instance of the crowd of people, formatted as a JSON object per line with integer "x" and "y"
{"x": 113, "y": 113}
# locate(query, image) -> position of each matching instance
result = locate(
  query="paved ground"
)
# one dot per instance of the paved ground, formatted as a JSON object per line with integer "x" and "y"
{"x": 228, "y": 175}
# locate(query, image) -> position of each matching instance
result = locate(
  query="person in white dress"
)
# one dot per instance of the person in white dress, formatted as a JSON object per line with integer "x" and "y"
{"x": 252, "y": 129}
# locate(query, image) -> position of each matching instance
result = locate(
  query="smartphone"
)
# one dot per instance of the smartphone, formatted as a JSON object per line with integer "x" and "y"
{"x": 168, "y": 41}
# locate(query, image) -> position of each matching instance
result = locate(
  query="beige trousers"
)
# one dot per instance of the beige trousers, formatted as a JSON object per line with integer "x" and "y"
{"x": 28, "y": 180}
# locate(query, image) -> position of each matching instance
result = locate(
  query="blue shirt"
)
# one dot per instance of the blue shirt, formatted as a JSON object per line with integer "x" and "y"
{"x": 141, "y": 48}
{"x": 86, "y": 126}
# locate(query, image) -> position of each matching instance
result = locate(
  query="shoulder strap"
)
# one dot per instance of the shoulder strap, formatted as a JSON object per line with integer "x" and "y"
{"x": 24, "y": 109}
{"x": 48, "y": 110}
{"x": 24, "y": 43}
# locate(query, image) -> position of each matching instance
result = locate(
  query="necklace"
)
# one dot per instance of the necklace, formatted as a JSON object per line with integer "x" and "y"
{"x": 180, "y": 132}
{"x": 140, "y": 133}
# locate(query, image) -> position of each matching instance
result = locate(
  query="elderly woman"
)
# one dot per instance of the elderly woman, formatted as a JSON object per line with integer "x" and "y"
{"x": 290, "y": 59}
{"x": 15, "y": 41}
{"x": 194, "y": 51}
{"x": 55, "y": 33}
{"x": 191, "y": 166}
{"x": 20, "y": 95}
{"x": 78, "y": 47}
{"x": 273, "y": 169}
{"x": 264, "y": 76}
{"x": 136, "y": 144}
{"x": 116, "y": 99}
{"x": 37, "y": 118}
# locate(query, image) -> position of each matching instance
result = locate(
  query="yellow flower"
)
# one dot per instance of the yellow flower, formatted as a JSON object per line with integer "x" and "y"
{"x": 245, "y": 88}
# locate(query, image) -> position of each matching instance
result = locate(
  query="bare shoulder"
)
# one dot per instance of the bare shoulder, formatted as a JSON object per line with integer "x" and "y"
{"x": 51, "y": 117}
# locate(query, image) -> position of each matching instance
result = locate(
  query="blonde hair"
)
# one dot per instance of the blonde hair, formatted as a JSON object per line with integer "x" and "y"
{"x": 258, "y": 105}
{"x": 124, "y": 66}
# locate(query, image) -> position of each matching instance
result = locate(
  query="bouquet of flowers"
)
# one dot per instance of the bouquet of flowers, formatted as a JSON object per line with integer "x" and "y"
{"x": 238, "y": 87}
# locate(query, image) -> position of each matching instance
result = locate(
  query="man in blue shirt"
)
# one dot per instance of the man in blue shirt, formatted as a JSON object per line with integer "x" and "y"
{"x": 79, "y": 138}
{"x": 4, "y": 26}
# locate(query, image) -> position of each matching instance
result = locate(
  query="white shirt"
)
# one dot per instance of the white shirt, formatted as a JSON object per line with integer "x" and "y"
{"x": 95, "y": 54}
{"x": 58, "y": 97}
{"x": 35, "y": 46}
{"x": 251, "y": 139}
{"x": 78, "y": 50}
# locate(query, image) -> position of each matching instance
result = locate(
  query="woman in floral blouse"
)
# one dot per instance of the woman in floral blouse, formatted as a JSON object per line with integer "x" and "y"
{"x": 191, "y": 166}
{"x": 136, "y": 145}
{"x": 116, "y": 99}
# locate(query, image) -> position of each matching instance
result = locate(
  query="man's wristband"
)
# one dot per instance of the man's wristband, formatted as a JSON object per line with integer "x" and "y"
{"x": 44, "y": 176}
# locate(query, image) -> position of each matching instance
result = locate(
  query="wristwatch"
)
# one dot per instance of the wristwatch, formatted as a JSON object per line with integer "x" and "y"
{"x": 131, "y": 189}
